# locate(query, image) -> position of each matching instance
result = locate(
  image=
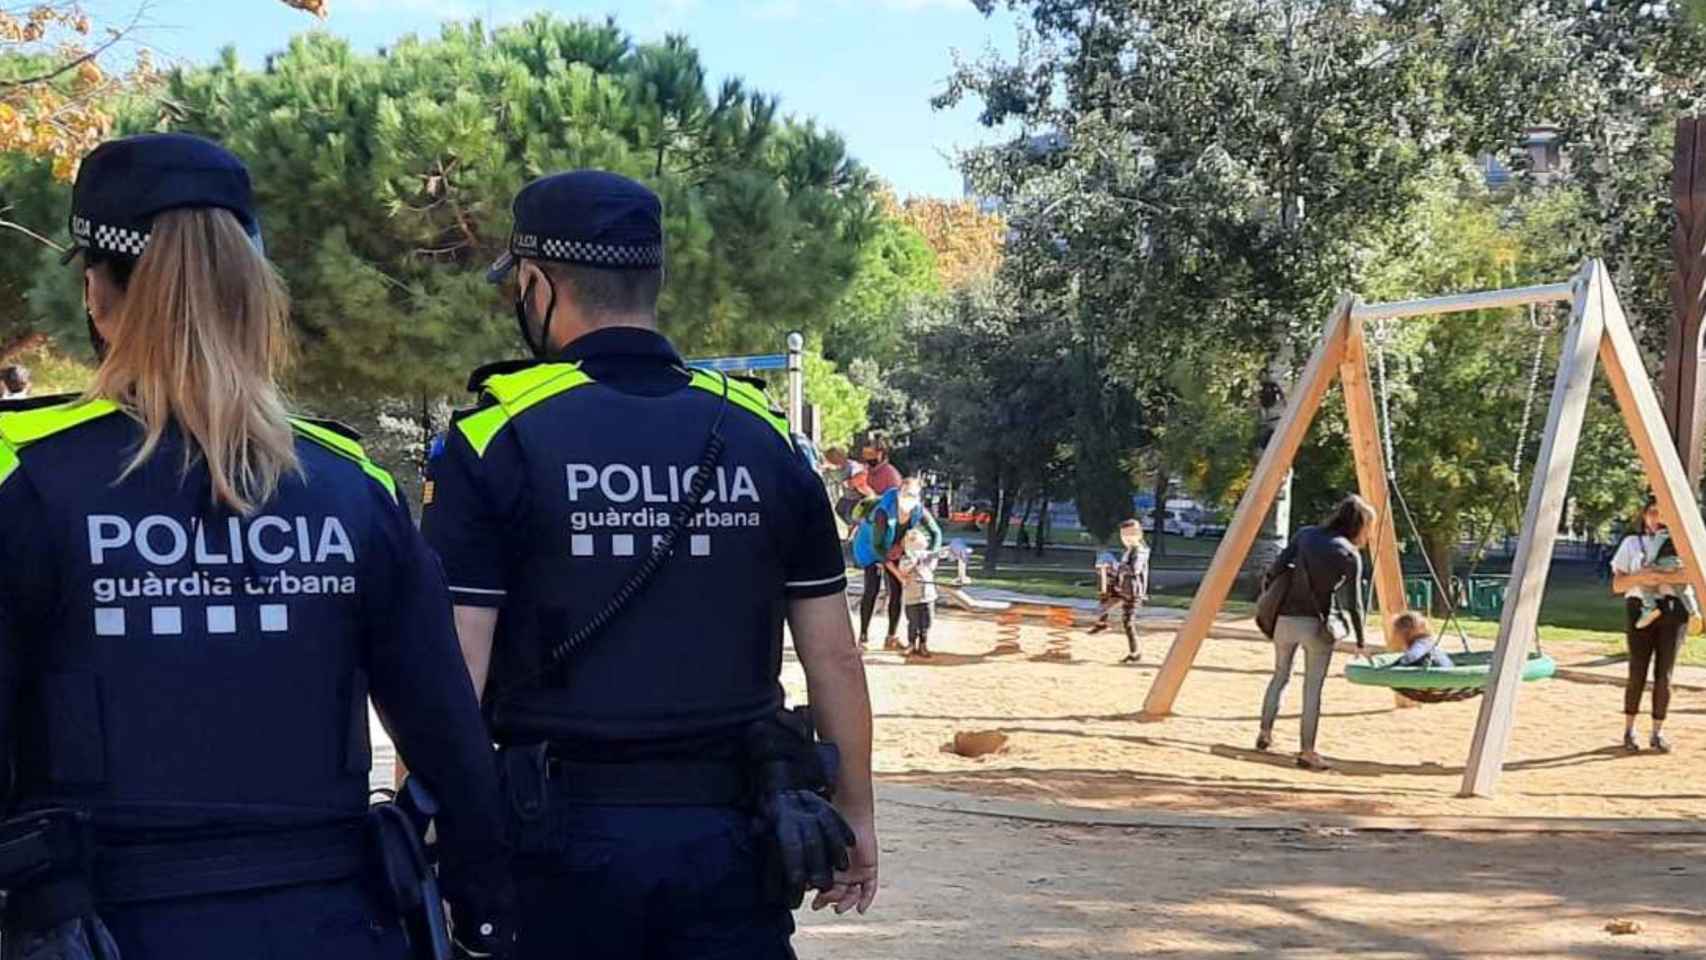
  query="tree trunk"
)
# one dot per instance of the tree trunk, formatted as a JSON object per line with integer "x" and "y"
{"x": 998, "y": 525}
{"x": 1159, "y": 548}
{"x": 1024, "y": 518}
{"x": 1042, "y": 525}
{"x": 1440, "y": 549}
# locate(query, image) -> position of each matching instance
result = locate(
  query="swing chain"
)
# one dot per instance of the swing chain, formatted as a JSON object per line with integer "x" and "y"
{"x": 1541, "y": 329}
{"x": 1381, "y": 334}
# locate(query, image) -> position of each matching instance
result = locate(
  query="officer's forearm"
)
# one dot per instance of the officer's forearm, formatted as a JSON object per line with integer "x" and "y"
{"x": 475, "y": 627}
{"x": 835, "y": 683}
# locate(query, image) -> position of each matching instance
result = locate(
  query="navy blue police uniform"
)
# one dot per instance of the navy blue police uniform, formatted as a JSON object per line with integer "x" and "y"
{"x": 194, "y": 682}
{"x": 623, "y": 763}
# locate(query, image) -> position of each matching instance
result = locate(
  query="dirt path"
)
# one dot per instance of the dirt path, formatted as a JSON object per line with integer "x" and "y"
{"x": 961, "y": 886}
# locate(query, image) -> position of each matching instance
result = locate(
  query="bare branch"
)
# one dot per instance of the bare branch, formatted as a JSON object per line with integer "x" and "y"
{"x": 26, "y": 231}
{"x": 114, "y": 37}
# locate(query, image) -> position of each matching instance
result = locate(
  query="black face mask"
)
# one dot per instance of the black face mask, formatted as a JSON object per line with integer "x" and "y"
{"x": 98, "y": 342}
{"x": 542, "y": 347}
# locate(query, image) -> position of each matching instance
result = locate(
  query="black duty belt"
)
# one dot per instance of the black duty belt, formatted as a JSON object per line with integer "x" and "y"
{"x": 655, "y": 783}
{"x": 253, "y": 861}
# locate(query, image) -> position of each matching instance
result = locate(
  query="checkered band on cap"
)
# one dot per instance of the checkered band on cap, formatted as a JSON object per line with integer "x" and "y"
{"x": 602, "y": 254}
{"x": 122, "y": 240}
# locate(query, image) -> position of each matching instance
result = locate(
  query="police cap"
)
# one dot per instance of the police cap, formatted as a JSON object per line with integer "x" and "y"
{"x": 124, "y": 183}
{"x": 589, "y": 217}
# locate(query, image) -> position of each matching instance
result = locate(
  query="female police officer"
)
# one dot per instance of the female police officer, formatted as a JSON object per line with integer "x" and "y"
{"x": 201, "y": 593}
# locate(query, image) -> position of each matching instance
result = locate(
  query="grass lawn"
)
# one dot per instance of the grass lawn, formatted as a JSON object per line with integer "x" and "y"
{"x": 1577, "y": 607}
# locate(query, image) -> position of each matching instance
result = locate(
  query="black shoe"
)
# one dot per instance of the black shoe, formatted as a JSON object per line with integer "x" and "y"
{"x": 1264, "y": 741}
{"x": 1133, "y": 658}
{"x": 1096, "y": 628}
{"x": 1660, "y": 744}
{"x": 1629, "y": 744}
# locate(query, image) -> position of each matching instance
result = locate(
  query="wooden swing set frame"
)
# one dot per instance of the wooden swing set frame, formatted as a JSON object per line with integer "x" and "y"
{"x": 1597, "y": 329}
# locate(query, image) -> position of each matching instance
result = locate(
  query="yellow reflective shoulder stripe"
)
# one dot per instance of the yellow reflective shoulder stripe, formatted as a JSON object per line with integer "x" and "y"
{"x": 515, "y": 393}
{"x": 348, "y": 449}
{"x": 747, "y": 397}
{"x": 28, "y": 426}
{"x": 8, "y": 461}
{"x": 18, "y": 430}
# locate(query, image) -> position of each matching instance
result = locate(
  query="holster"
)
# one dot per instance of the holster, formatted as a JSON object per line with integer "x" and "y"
{"x": 407, "y": 880}
{"x": 785, "y": 754}
{"x": 46, "y": 861}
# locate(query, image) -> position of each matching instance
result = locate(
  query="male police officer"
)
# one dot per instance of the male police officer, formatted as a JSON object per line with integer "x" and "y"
{"x": 624, "y": 539}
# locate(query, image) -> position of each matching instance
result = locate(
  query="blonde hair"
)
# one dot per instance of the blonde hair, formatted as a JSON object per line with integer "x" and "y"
{"x": 200, "y": 338}
{"x": 1134, "y": 527}
{"x": 1410, "y": 625}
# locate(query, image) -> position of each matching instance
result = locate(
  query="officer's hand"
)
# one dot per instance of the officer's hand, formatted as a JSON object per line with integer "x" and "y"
{"x": 856, "y": 886}
{"x": 481, "y": 938}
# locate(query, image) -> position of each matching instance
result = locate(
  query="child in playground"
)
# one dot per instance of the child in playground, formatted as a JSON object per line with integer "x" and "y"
{"x": 1664, "y": 558}
{"x": 1421, "y": 647}
{"x": 1124, "y": 580}
{"x": 917, "y": 573}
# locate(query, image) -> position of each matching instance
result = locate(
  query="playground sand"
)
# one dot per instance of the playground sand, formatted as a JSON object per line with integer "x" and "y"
{"x": 1074, "y": 735}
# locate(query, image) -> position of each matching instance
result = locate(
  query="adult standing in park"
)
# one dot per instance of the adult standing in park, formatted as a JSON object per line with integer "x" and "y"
{"x": 198, "y": 758}
{"x": 877, "y": 541}
{"x": 1322, "y": 606}
{"x": 882, "y": 476}
{"x": 1653, "y": 645}
{"x": 625, "y": 538}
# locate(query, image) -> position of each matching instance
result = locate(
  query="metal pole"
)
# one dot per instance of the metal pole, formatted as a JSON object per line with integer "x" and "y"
{"x": 796, "y": 381}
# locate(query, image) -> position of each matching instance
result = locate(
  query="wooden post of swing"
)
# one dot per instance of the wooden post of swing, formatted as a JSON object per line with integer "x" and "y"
{"x": 1680, "y": 390}
{"x": 1252, "y": 509}
{"x": 1601, "y": 328}
{"x": 1371, "y": 481}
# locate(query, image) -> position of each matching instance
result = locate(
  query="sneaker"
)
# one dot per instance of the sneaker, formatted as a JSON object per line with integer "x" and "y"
{"x": 1660, "y": 744}
{"x": 1264, "y": 740}
{"x": 1629, "y": 743}
{"x": 1097, "y": 627}
{"x": 1648, "y": 618}
{"x": 1133, "y": 658}
{"x": 1313, "y": 761}
{"x": 892, "y": 643}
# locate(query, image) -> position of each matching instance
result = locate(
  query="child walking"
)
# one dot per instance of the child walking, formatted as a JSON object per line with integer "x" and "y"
{"x": 918, "y": 590}
{"x": 1124, "y": 581}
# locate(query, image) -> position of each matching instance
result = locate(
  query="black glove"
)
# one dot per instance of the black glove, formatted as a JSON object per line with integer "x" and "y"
{"x": 475, "y": 937}
{"x": 808, "y": 841}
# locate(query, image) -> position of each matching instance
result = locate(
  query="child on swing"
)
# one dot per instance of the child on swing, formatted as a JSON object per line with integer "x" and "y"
{"x": 1421, "y": 647}
{"x": 1125, "y": 581}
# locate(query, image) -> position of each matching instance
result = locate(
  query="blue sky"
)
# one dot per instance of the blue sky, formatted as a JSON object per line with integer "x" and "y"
{"x": 866, "y": 68}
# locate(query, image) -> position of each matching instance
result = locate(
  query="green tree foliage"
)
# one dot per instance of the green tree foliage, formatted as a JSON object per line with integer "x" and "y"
{"x": 842, "y": 404}
{"x": 384, "y": 183}
{"x": 896, "y": 271}
{"x": 987, "y": 374}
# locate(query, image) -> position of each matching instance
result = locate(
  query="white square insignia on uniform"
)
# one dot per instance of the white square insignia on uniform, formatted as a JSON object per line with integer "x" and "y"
{"x": 168, "y": 621}
{"x": 699, "y": 545}
{"x": 622, "y": 545}
{"x": 580, "y": 545}
{"x": 275, "y": 618}
{"x": 221, "y": 619}
{"x": 109, "y": 621}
